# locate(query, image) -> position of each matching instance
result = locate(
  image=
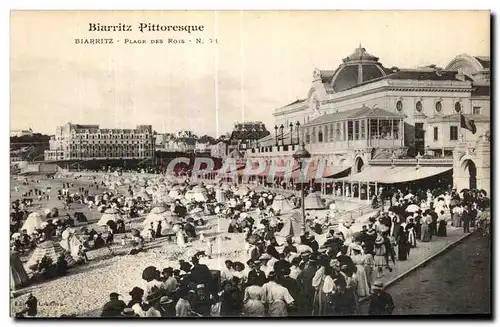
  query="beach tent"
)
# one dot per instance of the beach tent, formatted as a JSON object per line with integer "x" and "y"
{"x": 158, "y": 213}
{"x": 18, "y": 275}
{"x": 80, "y": 217}
{"x": 70, "y": 243}
{"x": 109, "y": 214}
{"x": 313, "y": 201}
{"x": 34, "y": 221}
{"x": 52, "y": 250}
{"x": 199, "y": 195}
{"x": 282, "y": 204}
{"x": 291, "y": 225}
{"x": 175, "y": 193}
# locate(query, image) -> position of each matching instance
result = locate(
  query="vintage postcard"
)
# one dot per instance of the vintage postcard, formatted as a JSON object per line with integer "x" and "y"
{"x": 250, "y": 164}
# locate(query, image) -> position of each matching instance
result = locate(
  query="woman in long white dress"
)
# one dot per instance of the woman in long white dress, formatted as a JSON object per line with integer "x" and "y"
{"x": 363, "y": 288}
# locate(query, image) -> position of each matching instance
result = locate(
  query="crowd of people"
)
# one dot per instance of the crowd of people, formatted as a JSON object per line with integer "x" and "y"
{"x": 283, "y": 274}
{"x": 301, "y": 277}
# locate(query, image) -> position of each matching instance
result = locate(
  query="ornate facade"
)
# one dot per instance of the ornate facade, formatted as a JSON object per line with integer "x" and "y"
{"x": 86, "y": 142}
{"x": 406, "y": 112}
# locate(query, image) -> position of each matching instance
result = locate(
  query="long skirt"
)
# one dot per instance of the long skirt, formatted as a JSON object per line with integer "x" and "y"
{"x": 369, "y": 275}
{"x": 380, "y": 261}
{"x": 363, "y": 288}
{"x": 456, "y": 220}
{"x": 254, "y": 308}
{"x": 426, "y": 233}
{"x": 403, "y": 250}
{"x": 395, "y": 230}
{"x": 319, "y": 302}
{"x": 442, "y": 229}
{"x": 278, "y": 309}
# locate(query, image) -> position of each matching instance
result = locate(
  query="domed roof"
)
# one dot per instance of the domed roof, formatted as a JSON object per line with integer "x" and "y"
{"x": 360, "y": 54}
{"x": 357, "y": 68}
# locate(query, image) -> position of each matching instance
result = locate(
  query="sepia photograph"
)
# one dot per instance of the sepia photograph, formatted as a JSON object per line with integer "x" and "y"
{"x": 243, "y": 164}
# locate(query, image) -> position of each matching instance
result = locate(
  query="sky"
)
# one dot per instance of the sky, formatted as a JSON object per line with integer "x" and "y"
{"x": 262, "y": 60}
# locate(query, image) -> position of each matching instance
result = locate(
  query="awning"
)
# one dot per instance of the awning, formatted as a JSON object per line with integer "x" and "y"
{"x": 413, "y": 174}
{"x": 397, "y": 174}
{"x": 333, "y": 170}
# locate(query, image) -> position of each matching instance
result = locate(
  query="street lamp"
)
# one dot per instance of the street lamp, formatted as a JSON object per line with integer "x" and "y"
{"x": 282, "y": 133}
{"x": 276, "y": 134}
{"x": 300, "y": 155}
{"x": 298, "y": 125}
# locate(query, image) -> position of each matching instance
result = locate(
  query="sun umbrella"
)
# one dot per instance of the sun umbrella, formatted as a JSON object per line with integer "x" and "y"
{"x": 196, "y": 210}
{"x": 412, "y": 208}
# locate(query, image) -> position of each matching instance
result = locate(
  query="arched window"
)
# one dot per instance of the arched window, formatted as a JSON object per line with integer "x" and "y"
{"x": 320, "y": 136}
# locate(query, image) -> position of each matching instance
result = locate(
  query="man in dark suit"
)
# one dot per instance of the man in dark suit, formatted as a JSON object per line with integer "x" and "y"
{"x": 200, "y": 274}
{"x": 381, "y": 302}
{"x": 114, "y": 307}
{"x": 256, "y": 276}
{"x": 306, "y": 292}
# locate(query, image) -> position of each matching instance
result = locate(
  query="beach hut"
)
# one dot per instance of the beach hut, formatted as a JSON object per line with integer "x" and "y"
{"x": 158, "y": 213}
{"x": 52, "y": 250}
{"x": 282, "y": 204}
{"x": 34, "y": 221}
{"x": 109, "y": 214}
{"x": 70, "y": 243}
{"x": 18, "y": 275}
{"x": 313, "y": 201}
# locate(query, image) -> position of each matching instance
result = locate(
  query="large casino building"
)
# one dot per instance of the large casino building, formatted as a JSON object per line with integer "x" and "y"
{"x": 373, "y": 124}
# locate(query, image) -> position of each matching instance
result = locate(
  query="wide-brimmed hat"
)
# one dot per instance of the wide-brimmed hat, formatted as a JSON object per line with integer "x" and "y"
{"x": 378, "y": 285}
{"x": 165, "y": 300}
{"x": 265, "y": 256}
{"x": 306, "y": 253}
{"x": 168, "y": 270}
{"x": 128, "y": 312}
{"x": 356, "y": 247}
{"x": 370, "y": 231}
{"x": 136, "y": 291}
{"x": 153, "y": 297}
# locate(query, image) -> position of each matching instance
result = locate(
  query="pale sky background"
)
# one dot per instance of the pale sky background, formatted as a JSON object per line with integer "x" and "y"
{"x": 263, "y": 60}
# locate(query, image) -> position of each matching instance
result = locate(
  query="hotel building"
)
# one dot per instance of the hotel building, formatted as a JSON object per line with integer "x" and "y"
{"x": 90, "y": 142}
